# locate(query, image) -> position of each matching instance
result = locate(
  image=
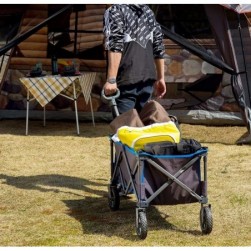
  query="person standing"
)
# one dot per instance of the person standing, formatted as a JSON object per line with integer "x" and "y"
{"x": 134, "y": 42}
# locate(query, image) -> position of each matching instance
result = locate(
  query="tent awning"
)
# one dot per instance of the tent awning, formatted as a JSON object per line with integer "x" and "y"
{"x": 239, "y": 8}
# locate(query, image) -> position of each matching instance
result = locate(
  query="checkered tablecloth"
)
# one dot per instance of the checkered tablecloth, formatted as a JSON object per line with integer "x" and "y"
{"x": 86, "y": 81}
{"x": 44, "y": 89}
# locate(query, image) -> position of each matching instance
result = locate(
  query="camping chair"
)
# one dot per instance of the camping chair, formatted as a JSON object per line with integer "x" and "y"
{"x": 209, "y": 83}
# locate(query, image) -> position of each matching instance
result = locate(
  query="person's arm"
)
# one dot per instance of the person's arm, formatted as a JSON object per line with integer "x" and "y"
{"x": 114, "y": 44}
{"x": 158, "y": 53}
{"x": 160, "y": 84}
{"x": 113, "y": 66}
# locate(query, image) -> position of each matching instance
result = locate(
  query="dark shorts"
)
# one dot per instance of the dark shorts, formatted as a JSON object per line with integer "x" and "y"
{"x": 134, "y": 96}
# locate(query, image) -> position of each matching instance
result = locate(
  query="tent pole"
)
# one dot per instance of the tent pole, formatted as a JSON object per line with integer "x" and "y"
{"x": 198, "y": 51}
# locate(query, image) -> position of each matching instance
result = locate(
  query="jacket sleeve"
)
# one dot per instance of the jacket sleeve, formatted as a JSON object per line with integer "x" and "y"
{"x": 158, "y": 45}
{"x": 113, "y": 30}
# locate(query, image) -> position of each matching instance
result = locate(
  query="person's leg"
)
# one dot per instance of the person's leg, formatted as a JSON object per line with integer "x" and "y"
{"x": 144, "y": 94}
{"x": 127, "y": 98}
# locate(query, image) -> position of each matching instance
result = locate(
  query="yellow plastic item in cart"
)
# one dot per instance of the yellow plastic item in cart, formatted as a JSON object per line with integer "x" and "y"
{"x": 137, "y": 137}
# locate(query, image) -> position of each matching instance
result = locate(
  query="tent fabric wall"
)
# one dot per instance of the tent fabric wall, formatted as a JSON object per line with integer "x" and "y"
{"x": 233, "y": 39}
{"x": 217, "y": 19}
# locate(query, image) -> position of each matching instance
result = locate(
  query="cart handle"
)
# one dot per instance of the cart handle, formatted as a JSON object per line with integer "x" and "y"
{"x": 112, "y": 97}
{"x": 112, "y": 100}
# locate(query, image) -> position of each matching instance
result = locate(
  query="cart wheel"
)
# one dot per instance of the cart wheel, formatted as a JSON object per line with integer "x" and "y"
{"x": 142, "y": 225}
{"x": 206, "y": 220}
{"x": 113, "y": 198}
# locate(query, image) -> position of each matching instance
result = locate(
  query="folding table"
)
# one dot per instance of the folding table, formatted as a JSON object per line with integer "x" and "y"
{"x": 45, "y": 88}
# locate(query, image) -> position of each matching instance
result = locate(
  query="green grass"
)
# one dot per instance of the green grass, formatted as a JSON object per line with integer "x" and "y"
{"x": 53, "y": 190}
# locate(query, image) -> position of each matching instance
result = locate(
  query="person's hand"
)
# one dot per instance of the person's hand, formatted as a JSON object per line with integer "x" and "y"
{"x": 159, "y": 88}
{"x": 110, "y": 89}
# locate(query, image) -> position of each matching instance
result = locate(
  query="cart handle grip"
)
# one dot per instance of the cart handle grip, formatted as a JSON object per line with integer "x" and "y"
{"x": 112, "y": 100}
{"x": 112, "y": 97}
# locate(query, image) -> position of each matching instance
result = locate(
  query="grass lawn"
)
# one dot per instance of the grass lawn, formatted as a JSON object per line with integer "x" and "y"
{"x": 53, "y": 190}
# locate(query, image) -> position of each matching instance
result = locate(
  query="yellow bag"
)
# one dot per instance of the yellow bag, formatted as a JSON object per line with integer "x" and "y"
{"x": 137, "y": 137}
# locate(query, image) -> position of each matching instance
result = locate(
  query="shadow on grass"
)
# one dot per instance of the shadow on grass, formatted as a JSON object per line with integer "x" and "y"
{"x": 96, "y": 217}
{"x": 94, "y": 213}
{"x": 54, "y": 128}
{"x": 52, "y": 183}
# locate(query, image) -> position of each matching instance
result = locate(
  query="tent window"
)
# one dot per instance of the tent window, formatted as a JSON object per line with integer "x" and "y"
{"x": 187, "y": 20}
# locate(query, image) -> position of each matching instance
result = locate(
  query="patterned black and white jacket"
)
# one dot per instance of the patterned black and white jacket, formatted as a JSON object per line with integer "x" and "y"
{"x": 133, "y": 31}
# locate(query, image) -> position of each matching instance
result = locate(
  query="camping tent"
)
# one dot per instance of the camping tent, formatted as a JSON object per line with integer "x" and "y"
{"x": 233, "y": 40}
{"x": 232, "y": 37}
